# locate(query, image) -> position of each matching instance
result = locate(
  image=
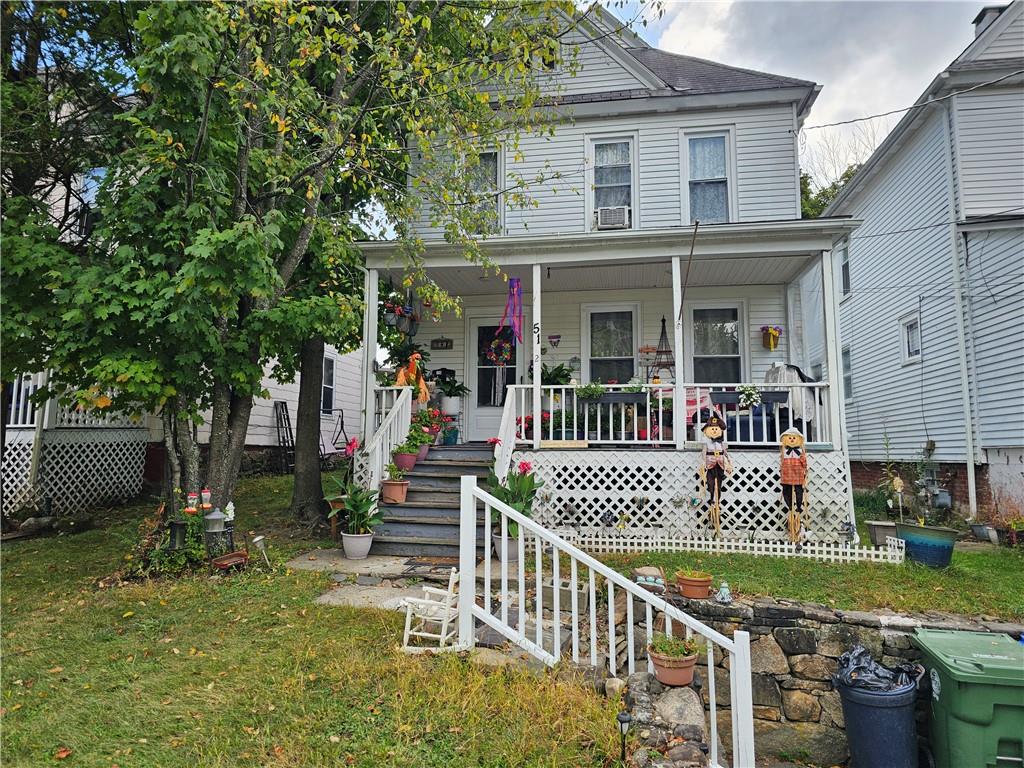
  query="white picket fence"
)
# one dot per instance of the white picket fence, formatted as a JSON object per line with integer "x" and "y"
{"x": 592, "y": 637}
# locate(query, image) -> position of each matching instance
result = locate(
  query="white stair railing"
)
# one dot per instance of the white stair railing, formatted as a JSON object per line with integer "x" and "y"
{"x": 590, "y": 635}
{"x": 391, "y": 433}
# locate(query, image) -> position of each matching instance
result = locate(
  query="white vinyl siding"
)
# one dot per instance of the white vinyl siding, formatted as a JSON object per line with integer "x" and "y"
{"x": 1008, "y": 43}
{"x": 994, "y": 274}
{"x": 894, "y": 275}
{"x": 990, "y": 134}
{"x": 597, "y": 70}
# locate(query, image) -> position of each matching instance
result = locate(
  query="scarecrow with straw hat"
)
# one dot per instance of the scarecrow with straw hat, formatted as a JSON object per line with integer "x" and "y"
{"x": 714, "y": 467}
{"x": 793, "y": 471}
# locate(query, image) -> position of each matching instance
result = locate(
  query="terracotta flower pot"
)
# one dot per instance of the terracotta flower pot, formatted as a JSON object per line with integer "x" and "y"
{"x": 405, "y": 461}
{"x": 694, "y": 587}
{"x": 394, "y": 491}
{"x": 673, "y": 670}
{"x": 422, "y": 453}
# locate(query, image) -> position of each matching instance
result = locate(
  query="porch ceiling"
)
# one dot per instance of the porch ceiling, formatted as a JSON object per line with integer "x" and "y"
{"x": 754, "y": 270}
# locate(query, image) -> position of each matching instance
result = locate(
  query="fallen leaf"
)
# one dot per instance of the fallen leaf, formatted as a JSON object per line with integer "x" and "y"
{"x": 55, "y": 670}
{"x": 127, "y": 614}
{"x": 334, "y": 739}
{"x": 278, "y": 750}
{"x": 62, "y": 753}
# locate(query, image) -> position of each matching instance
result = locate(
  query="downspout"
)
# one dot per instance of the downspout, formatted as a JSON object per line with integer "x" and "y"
{"x": 961, "y": 326}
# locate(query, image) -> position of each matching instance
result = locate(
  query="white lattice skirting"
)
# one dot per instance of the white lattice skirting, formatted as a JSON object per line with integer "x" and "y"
{"x": 78, "y": 468}
{"x": 17, "y": 466}
{"x": 645, "y": 497}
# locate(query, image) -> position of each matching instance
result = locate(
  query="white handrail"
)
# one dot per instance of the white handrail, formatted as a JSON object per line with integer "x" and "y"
{"x": 393, "y": 430}
{"x": 549, "y": 550}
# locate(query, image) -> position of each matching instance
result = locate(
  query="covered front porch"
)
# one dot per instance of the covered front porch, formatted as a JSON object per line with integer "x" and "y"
{"x": 670, "y": 339}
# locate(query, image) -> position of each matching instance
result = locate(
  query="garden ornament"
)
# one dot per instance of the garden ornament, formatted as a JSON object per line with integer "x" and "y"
{"x": 793, "y": 472}
{"x": 714, "y": 467}
{"x": 723, "y": 596}
{"x": 513, "y": 309}
{"x": 411, "y": 375}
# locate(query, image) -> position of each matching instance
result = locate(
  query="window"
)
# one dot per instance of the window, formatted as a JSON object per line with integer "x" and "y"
{"x": 716, "y": 345}
{"x": 549, "y": 56}
{"x": 844, "y": 269}
{"x": 817, "y": 371}
{"x": 611, "y": 341}
{"x": 89, "y": 185}
{"x": 327, "y": 389}
{"x": 483, "y": 182}
{"x": 910, "y": 338}
{"x": 707, "y": 173}
{"x": 613, "y": 178}
{"x": 847, "y": 374}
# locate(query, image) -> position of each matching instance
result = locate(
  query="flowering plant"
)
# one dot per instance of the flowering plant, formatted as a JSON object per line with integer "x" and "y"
{"x": 428, "y": 418}
{"x": 351, "y": 447}
{"x": 494, "y": 441}
{"x": 518, "y": 491}
{"x": 770, "y": 335}
{"x": 749, "y": 396}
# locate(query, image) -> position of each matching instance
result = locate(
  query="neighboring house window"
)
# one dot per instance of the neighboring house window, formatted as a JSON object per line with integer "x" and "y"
{"x": 327, "y": 390}
{"x": 89, "y": 185}
{"x": 847, "y": 374}
{"x": 611, "y": 343}
{"x": 484, "y": 185}
{"x": 613, "y": 182}
{"x": 910, "y": 338}
{"x": 844, "y": 269}
{"x": 717, "y": 346}
{"x": 549, "y": 56}
{"x": 707, "y": 173}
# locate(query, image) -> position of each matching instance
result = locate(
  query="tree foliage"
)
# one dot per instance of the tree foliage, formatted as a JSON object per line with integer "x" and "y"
{"x": 813, "y": 201}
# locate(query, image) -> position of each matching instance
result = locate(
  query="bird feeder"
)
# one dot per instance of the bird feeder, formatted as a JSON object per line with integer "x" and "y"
{"x": 215, "y": 535}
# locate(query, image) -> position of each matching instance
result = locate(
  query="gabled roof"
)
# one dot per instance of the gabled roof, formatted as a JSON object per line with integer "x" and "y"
{"x": 700, "y": 76}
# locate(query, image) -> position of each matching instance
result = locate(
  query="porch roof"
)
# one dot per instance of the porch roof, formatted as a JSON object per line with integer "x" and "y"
{"x": 744, "y": 242}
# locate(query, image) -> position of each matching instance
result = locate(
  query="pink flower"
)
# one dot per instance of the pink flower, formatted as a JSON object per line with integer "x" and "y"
{"x": 524, "y": 467}
{"x": 426, "y": 429}
{"x": 494, "y": 440}
{"x": 351, "y": 446}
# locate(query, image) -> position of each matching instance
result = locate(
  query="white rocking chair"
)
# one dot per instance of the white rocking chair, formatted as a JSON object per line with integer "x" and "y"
{"x": 432, "y": 617}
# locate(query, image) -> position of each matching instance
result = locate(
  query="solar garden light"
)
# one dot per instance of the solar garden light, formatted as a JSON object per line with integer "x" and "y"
{"x": 625, "y": 720}
{"x": 229, "y": 525}
{"x": 260, "y": 542}
{"x": 215, "y": 535}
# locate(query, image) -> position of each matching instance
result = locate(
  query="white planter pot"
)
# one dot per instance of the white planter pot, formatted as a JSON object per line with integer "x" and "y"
{"x": 513, "y": 547}
{"x": 356, "y": 545}
{"x": 451, "y": 405}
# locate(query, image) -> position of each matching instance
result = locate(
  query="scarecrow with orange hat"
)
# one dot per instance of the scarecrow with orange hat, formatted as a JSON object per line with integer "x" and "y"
{"x": 714, "y": 467}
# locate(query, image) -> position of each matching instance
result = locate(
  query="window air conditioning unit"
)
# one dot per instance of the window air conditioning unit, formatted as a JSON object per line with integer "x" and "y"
{"x": 613, "y": 218}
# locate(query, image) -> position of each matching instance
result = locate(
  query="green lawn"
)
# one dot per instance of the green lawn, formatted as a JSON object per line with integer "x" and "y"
{"x": 246, "y": 671}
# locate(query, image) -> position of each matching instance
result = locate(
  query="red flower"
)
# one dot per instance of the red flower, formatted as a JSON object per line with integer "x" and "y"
{"x": 494, "y": 441}
{"x": 524, "y": 467}
{"x": 351, "y": 446}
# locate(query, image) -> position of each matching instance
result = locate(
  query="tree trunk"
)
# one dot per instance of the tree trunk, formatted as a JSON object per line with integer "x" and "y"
{"x": 188, "y": 451}
{"x": 168, "y": 419}
{"x": 308, "y": 495}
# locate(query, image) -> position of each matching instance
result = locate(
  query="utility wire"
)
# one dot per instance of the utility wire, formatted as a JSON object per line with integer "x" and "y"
{"x": 929, "y": 226}
{"x": 916, "y": 106}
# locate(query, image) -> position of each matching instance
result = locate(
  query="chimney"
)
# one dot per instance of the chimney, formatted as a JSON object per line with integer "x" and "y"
{"x": 986, "y": 16}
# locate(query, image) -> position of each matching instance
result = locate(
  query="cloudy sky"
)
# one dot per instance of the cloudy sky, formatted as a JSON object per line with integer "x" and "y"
{"x": 869, "y": 56}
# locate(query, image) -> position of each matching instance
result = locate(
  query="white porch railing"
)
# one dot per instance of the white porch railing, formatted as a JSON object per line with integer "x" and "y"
{"x": 384, "y": 399}
{"x": 804, "y": 406}
{"x": 21, "y": 412}
{"x": 591, "y": 634}
{"x": 507, "y": 432}
{"x": 393, "y": 430}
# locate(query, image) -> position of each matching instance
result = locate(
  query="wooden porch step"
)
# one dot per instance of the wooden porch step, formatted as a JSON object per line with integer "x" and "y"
{"x": 441, "y": 496}
{"x": 446, "y": 467}
{"x": 483, "y": 454}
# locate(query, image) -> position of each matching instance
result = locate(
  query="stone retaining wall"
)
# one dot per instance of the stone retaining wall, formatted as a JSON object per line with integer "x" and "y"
{"x": 794, "y": 651}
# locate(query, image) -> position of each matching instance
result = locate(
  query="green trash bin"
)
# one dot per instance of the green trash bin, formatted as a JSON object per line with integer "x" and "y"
{"x": 977, "y": 698}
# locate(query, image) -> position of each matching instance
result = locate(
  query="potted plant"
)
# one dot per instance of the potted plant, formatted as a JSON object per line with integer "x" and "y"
{"x": 674, "y": 659}
{"x": 421, "y": 439}
{"x": 929, "y": 545}
{"x": 449, "y": 432}
{"x": 395, "y": 488}
{"x": 770, "y": 336}
{"x": 406, "y": 455}
{"x": 553, "y": 376}
{"x": 430, "y": 419}
{"x": 591, "y": 391}
{"x": 693, "y": 584}
{"x": 363, "y": 517}
{"x": 518, "y": 491}
{"x": 452, "y": 392}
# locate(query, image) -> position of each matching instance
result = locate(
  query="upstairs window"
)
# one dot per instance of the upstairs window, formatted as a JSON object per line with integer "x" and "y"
{"x": 847, "y": 374}
{"x": 327, "y": 389}
{"x": 707, "y": 174}
{"x": 483, "y": 182}
{"x": 910, "y": 333}
{"x": 844, "y": 269}
{"x": 613, "y": 184}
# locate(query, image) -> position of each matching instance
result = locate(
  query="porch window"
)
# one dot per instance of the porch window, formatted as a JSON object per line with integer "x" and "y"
{"x": 910, "y": 332}
{"x": 483, "y": 182}
{"x": 611, "y": 345}
{"x": 708, "y": 177}
{"x": 847, "y": 374}
{"x": 327, "y": 388}
{"x": 613, "y": 179}
{"x": 716, "y": 346}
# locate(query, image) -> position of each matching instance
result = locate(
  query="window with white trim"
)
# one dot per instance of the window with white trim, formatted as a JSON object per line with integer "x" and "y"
{"x": 611, "y": 344}
{"x": 847, "y": 374}
{"x": 717, "y": 345}
{"x": 483, "y": 182}
{"x": 614, "y": 177}
{"x": 708, "y": 167}
{"x": 327, "y": 388}
{"x": 844, "y": 269}
{"x": 910, "y": 338}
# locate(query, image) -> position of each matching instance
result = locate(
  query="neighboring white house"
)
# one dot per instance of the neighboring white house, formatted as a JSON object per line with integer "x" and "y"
{"x": 647, "y": 143}
{"x": 932, "y": 284}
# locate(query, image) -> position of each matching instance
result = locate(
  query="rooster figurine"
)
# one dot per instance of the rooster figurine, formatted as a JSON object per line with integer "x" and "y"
{"x": 411, "y": 375}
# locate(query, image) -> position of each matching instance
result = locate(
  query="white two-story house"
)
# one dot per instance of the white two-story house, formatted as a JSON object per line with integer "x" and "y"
{"x": 932, "y": 284}
{"x": 616, "y": 286}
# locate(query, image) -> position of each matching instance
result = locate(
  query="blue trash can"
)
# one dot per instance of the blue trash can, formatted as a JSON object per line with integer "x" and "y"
{"x": 880, "y": 726}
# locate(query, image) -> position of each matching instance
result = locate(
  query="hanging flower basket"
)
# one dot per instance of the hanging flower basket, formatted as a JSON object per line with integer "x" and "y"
{"x": 390, "y": 318}
{"x": 770, "y": 335}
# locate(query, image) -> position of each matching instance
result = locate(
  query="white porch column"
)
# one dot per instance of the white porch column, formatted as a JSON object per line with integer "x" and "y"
{"x": 370, "y": 289}
{"x": 836, "y": 395}
{"x": 679, "y": 392}
{"x": 537, "y": 429}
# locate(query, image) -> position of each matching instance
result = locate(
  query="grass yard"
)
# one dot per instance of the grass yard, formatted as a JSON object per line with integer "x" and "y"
{"x": 246, "y": 671}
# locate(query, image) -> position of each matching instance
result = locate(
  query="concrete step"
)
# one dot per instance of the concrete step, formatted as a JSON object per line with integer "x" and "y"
{"x": 430, "y": 515}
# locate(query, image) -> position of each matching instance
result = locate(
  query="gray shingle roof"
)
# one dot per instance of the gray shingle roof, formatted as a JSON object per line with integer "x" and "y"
{"x": 697, "y": 76}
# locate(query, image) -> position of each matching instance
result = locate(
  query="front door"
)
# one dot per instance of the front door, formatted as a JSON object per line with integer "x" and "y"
{"x": 489, "y": 375}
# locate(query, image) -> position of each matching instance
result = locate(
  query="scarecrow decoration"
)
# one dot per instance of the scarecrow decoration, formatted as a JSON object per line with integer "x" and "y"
{"x": 793, "y": 471}
{"x": 714, "y": 467}
{"x": 411, "y": 375}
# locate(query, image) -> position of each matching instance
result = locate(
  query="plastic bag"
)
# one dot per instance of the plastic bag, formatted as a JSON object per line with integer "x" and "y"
{"x": 857, "y": 669}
